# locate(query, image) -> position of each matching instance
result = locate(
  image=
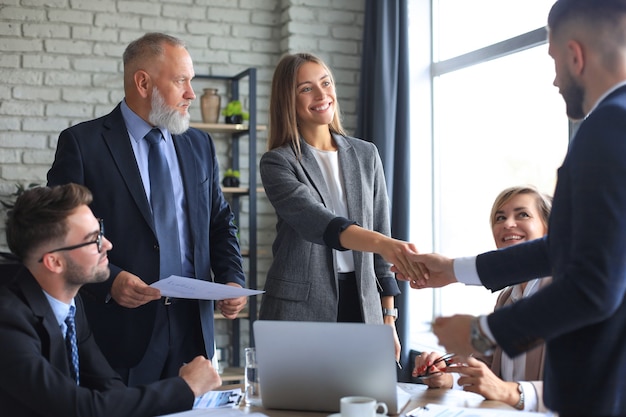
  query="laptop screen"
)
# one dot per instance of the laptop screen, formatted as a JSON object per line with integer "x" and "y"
{"x": 311, "y": 365}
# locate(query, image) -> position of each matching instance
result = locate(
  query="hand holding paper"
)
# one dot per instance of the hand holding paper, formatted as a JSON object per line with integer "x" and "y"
{"x": 181, "y": 287}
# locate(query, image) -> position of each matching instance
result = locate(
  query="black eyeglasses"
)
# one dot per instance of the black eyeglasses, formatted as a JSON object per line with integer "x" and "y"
{"x": 98, "y": 242}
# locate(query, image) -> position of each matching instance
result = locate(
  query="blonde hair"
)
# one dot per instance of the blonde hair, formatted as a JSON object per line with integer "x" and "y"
{"x": 543, "y": 202}
{"x": 283, "y": 125}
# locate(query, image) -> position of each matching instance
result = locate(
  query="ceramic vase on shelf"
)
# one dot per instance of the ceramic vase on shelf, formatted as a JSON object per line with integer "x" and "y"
{"x": 210, "y": 105}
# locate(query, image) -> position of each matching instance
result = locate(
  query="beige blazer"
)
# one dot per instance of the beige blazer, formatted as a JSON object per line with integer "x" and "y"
{"x": 534, "y": 358}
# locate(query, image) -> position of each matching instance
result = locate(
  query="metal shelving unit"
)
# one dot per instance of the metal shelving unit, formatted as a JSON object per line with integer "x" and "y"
{"x": 237, "y": 131}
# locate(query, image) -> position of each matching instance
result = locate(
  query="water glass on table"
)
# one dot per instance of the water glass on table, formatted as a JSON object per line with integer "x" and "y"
{"x": 252, "y": 387}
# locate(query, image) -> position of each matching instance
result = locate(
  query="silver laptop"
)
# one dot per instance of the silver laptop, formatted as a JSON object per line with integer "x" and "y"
{"x": 311, "y": 365}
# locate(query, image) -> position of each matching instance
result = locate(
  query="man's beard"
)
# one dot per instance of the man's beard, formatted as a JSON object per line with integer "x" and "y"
{"x": 164, "y": 116}
{"x": 573, "y": 95}
{"x": 76, "y": 275}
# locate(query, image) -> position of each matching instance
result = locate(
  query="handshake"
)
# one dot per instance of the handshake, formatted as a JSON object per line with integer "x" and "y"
{"x": 434, "y": 271}
{"x": 426, "y": 270}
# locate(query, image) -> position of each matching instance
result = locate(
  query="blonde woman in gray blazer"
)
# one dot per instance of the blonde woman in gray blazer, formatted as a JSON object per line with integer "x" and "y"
{"x": 333, "y": 250}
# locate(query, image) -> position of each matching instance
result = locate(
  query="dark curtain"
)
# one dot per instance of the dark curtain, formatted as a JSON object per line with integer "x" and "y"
{"x": 383, "y": 118}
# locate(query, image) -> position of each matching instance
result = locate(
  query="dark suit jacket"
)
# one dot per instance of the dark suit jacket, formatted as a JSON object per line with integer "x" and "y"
{"x": 98, "y": 154}
{"x": 582, "y": 314}
{"x": 35, "y": 380}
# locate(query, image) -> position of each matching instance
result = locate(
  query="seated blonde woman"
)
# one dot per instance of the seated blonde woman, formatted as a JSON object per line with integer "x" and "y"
{"x": 519, "y": 214}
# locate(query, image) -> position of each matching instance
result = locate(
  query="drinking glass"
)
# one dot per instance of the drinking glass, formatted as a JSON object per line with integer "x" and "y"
{"x": 252, "y": 386}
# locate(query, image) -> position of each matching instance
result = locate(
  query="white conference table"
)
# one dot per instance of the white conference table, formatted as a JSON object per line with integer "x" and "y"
{"x": 421, "y": 396}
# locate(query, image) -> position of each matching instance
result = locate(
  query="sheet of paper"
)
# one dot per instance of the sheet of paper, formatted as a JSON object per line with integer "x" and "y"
{"x": 403, "y": 396}
{"x": 181, "y": 287}
{"x": 436, "y": 410}
{"x": 219, "y": 399}
{"x": 217, "y": 404}
{"x": 215, "y": 412}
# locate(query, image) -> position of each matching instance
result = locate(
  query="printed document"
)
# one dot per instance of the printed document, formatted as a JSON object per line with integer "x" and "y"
{"x": 436, "y": 410}
{"x": 181, "y": 287}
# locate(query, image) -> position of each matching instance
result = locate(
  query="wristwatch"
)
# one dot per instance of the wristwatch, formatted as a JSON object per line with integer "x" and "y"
{"x": 393, "y": 312}
{"x": 480, "y": 342}
{"x": 520, "y": 403}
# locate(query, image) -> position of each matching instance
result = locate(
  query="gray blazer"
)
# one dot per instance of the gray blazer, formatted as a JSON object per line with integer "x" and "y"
{"x": 301, "y": 282}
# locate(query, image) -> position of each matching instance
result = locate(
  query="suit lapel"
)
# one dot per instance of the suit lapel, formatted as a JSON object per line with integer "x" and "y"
{"x": 349, "y": 165}
{"x": 189, "y": 173}
{"x": 117, "y": 139}
{"x": 41, "y": 308}
{"x": 314, "y": 173}
{"x": 188, "y": 169}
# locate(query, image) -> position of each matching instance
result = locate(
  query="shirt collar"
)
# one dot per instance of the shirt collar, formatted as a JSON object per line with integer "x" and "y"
{"x": 59, "y": 308}
{"x": 136, "y": 126}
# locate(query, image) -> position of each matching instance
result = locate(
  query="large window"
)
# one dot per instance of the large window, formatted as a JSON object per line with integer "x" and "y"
{"x": 462, "y": 26}
{"x": 496, "y": 121}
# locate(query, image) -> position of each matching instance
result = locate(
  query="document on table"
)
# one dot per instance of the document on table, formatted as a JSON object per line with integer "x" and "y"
{"x": 219, "y": 399}
{"x": 181, "y": 287}
{"x": 436, "y": 410}
{"x": 215, "y": 412}
{"x": 217, "y": 404}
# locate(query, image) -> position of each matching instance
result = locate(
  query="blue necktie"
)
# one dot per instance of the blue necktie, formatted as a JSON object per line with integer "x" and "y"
{"x": 163, "y": 206}
{"x": 71, "y": 345}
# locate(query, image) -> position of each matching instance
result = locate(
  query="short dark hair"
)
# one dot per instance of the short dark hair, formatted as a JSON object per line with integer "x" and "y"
{"x": 591, "y": 10}
{"x": 39, "y": 216}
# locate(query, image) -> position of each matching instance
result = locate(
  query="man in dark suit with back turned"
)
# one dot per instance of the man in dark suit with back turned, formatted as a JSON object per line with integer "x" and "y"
{"x": 51, "y": 365}
{"x": 582, "y": 314}
{"x": 173, "y": 220}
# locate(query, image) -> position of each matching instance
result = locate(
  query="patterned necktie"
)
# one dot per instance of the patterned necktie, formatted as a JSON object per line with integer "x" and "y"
{"x": 71, "y": 345}
{"x": 163, "y": 207}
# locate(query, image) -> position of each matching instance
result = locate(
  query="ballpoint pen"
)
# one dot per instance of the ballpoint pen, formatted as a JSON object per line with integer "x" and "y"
{"x": 398, "y": 363}
{"x": 415, "y": 412}
{"x": 445, "y": 359}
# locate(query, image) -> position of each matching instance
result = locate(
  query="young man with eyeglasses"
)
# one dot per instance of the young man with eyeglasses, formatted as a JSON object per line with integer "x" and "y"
{"x": 50, "y": 361}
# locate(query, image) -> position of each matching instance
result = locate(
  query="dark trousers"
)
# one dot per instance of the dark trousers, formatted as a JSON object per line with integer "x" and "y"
{"x": 176, "y": 339}
{"x": 349, "y": 301}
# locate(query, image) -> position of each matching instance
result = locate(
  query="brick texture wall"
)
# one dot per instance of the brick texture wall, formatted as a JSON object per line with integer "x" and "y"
{"x": 60, "y": 64}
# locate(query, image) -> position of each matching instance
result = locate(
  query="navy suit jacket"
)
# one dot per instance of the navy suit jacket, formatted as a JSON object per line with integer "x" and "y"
{"x": 582, "y": 315}
{"x": 99, "y": 155}
{"x": 35, "y": 380}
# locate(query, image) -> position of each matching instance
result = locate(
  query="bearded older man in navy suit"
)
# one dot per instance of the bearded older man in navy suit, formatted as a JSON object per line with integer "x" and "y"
{"x": 146, "y": 337}
{"x": 582, "y": 314}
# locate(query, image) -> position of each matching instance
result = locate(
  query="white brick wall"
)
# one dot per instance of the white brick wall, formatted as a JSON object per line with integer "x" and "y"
{"x": 60, "y": 64}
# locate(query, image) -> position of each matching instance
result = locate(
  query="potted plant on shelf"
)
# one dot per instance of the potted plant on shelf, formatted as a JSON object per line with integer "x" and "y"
{"x": 19, "y": 189}
{"x": 231, "y": 178}
{"x": 234, "y": 112}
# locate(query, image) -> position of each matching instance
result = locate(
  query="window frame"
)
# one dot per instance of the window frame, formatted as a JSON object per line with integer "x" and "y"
{"x": 424, "y": 72}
